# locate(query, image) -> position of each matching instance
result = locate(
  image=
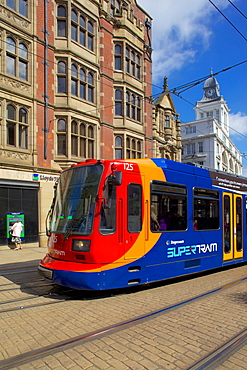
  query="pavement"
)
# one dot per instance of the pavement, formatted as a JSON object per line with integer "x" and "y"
{"x": 30, "y": 252}
{"x": 173, "y": 340}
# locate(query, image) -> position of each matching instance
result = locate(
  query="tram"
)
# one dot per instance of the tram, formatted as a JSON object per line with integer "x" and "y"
{"x": 120, "y": 223}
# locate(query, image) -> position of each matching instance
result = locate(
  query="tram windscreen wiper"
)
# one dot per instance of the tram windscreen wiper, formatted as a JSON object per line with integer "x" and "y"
{"x": 74, "y": 225}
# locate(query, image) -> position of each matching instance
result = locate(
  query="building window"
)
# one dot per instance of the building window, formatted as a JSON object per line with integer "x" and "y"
{"x": 200, "y": 147}
{"x": 20, "y": 6}
{"x": 115, "y": 7}
{"x": 167, "y": 121}
{"x": 82, "y": 140}
{"x": 90, "y": 87}
{"x": 118, "y": 57}
{"x": 133, "y": 106}
{"x": 133, "y": 148}
{"x": 118, "y": 102}
{"x": 74, "y": 80}
{"x": 62, "y": 77}
{"x": 61, "y": 21}
{"x": 190, "y": 148}
{"x": 82, "y": 29}
{"x": 190, "y": 130}
{"x": 17, "y": 127}
{"x": 118, "y": 147}
{"x": 74, "y": 138}
{"x": 132, "y": 62}
{"x": 61, "y": 137}
{"x": 16, "y": 58}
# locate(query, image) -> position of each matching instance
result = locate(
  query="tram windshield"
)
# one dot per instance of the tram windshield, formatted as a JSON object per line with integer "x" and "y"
{"x": 75, "y": 200}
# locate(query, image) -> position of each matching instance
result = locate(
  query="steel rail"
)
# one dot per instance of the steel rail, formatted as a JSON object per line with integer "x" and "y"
{"x": 48, "y": 350}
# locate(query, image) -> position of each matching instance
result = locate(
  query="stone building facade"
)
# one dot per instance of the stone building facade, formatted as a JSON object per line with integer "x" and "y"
{"x": 166, "y": 128}
{"x": 75, "y": 82}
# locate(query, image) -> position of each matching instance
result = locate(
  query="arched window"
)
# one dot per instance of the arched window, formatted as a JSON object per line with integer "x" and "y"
{"x": 61, "y": 21}
{"x": 74, "y": 80}
{"x": 133, "y": 148}
{"x": 23, "y": 59}
{"x": 23, "y": 128}
{"x": 74, "y": 138}
{"x": 90, "y": 35}
{"x": 74, "y": 25}
{"x": 82, "y": 140}
{"x": 118, "y": 102}
{"x": 118, "y": 147}
{"x": 82, "y": 31}
{"x": 118, "y": 57}
{"x": 82, "y": 84}
{"x": 62, "y": 78}
{"x": 90, "y": 142}
{"x": 16, "y": 128}
{"x": 16, "y": 58}
{"x": 90, "y": 87}
{"x": 61, "y": 137}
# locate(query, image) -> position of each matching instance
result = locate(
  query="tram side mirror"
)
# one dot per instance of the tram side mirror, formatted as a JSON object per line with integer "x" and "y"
{"x": 116, "y": 179}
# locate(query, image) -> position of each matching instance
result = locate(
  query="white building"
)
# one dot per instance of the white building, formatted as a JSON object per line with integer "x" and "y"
{"x": 206, "y": 140}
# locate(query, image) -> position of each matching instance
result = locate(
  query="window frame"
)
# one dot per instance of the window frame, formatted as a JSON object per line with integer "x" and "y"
{"x": 163, "y": 195}
{"x": 17, "y": 127}
{"x": 205, "y": 196}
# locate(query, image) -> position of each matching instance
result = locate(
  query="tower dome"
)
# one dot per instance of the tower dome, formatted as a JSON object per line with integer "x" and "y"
{"x": 211, "y": 82}
{"x": 211, "y": 89}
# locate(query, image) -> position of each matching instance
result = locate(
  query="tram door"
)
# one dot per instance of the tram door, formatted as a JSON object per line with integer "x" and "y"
{"x": 233, "y": 226}
{"x": 132, "y": 212}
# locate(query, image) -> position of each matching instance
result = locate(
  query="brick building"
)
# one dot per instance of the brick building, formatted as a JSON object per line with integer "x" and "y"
{"x": 75, "y": 82}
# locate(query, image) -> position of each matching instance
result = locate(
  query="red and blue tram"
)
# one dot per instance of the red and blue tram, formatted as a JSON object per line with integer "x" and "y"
{"x": 120, "y": 223}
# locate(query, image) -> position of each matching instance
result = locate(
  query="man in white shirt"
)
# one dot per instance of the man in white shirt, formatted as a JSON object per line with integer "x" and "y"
{"x": 16, "y": 233}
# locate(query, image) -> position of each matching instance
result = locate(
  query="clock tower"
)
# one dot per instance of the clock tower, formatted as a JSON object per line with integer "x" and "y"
{"x": 211, "y": 89}
{"x": 206, "y": 141}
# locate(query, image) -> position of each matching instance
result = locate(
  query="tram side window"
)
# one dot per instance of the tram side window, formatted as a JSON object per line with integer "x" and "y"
{"x": 108, "y": 209}
{"x": 168, "y": 207}
{"x": 206, "y": 209}
{"x": 134, "y": 208}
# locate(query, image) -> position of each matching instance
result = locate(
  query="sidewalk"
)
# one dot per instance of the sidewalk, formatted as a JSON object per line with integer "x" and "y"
{"x": 30, "y": 252}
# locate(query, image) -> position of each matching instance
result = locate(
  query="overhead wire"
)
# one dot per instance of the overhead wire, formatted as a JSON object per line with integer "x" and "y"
{"x": 228, "y": 20}
{"x": 229, "y": 1}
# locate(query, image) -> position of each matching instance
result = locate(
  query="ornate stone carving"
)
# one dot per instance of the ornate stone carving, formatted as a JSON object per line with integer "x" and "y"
{"x": 14, "y": 155}
{"x": 9, "y": 82}
{"x": 13, "y": 18}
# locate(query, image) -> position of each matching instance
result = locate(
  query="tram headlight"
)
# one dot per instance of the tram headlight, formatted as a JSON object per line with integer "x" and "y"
{"x": 81, "y": 245}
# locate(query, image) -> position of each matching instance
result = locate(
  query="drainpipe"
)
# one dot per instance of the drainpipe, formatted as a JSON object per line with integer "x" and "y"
{"x": 46, "y": 65}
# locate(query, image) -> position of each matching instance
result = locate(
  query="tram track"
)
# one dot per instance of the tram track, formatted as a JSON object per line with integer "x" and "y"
{"x": 216, "y": 356}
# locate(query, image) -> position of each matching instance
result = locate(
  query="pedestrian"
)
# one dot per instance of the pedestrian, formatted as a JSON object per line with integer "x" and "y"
{"x": 16, "y": 234}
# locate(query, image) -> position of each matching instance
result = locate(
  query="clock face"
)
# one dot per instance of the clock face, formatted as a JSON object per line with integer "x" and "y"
{"x": 210, "y": 93}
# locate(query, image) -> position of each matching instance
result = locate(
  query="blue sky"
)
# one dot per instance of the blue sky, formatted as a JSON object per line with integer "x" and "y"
{"x": 189, "y": 38}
